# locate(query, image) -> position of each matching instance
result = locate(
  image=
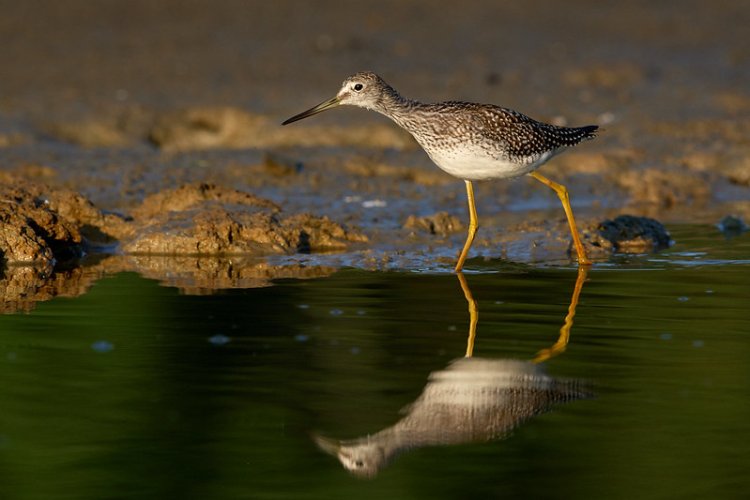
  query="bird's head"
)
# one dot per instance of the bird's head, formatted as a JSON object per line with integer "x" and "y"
{"x": 364, "y": 89}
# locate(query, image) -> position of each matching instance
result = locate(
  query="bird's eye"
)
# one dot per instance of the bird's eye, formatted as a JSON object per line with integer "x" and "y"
{"x": 358, "y": 86}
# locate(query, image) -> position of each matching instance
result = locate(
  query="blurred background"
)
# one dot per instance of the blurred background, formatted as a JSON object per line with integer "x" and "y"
{"x": 640, "y": 57}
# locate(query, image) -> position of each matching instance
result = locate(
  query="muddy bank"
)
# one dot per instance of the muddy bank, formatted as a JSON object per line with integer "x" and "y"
{"x": 203, "y": 237}
{"x": 54, "y": 242}
{"x": 46, "y": 226}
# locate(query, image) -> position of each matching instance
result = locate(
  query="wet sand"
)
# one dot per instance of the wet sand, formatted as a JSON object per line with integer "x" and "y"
{"x": 145, "y": 136}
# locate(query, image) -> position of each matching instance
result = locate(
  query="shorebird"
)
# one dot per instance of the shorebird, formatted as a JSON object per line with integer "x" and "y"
{"x": 470, "y": 141}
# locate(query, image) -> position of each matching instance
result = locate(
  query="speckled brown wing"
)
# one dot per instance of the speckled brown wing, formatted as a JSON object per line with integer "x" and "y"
{"x": 523, "y": 138}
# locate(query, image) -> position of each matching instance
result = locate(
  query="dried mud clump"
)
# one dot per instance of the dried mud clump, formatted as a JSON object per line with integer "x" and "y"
{"x": 205, "y": 219}
{"x": 631, "y": 234}
{"x": 441, "y": 223}
{"x": 41, "y": 227}
{"x": 32, "y": 231}
{"x": 191, "y": 195}
{"x": 42, "y": 224}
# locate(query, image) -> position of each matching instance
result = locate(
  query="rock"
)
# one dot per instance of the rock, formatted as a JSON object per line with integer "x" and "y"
{"x": 631, "y": 234}
{"x": 732, "y": 225}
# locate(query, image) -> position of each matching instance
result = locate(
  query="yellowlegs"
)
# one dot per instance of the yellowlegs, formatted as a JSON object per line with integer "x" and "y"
{"x": 467, "y": 140}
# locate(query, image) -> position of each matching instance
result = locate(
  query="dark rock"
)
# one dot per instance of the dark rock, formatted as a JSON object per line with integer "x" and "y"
{"x": 629, "y": 233}
{"x": 732, "y": 225}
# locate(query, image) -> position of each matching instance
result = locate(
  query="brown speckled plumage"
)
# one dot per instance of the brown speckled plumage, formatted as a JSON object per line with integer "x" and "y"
{"x": 456, "y": 132}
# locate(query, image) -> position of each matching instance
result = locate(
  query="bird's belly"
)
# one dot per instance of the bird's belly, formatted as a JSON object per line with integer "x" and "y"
{"x": 477, "y": 165}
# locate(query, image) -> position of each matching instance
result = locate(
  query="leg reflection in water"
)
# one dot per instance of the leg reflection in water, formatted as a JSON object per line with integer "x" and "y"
{"x": 471, "y": 400}
{"x": 544, "y": 354}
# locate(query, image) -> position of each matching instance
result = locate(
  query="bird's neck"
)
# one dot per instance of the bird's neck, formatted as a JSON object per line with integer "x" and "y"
{"x": 396, "y": 107}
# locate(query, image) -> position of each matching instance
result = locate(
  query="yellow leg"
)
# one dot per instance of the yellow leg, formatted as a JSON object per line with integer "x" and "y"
{"x": 562, "y": 341}
{"x": 563, "y": 194}
{"x": 473, "y": 314}
{"x": 473, "y": 225}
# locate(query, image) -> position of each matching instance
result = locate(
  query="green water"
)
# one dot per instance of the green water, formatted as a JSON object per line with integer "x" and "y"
{"x": 136, "y": 391}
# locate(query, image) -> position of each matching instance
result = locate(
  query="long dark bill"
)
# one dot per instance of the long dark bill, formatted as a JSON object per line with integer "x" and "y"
{"x": 330, "y": 103}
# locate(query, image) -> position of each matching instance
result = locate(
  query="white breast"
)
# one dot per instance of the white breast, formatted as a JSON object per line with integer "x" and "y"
{"x": 474, "y": 164}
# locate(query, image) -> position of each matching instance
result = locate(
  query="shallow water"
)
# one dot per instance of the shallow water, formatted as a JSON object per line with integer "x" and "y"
{"x": 134, "y": 389}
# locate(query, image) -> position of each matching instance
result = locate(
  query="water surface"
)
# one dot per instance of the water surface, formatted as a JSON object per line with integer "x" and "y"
{"x": 137, "y": 390}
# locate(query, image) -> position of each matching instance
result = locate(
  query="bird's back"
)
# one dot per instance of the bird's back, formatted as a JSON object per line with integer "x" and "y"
{"x": 482, "y": 141}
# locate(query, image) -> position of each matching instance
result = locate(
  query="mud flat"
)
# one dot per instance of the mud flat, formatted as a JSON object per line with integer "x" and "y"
{"x": 204, "y": 237}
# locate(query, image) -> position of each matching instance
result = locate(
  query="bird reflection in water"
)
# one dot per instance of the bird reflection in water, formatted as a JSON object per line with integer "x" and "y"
{"x": 471, "y": 400}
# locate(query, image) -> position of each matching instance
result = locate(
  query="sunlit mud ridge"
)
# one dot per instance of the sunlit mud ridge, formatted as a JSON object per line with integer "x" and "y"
{"x": 45, "y": 226}
{"x": 205, "y": 219}
{"x": 54, "y": 242}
